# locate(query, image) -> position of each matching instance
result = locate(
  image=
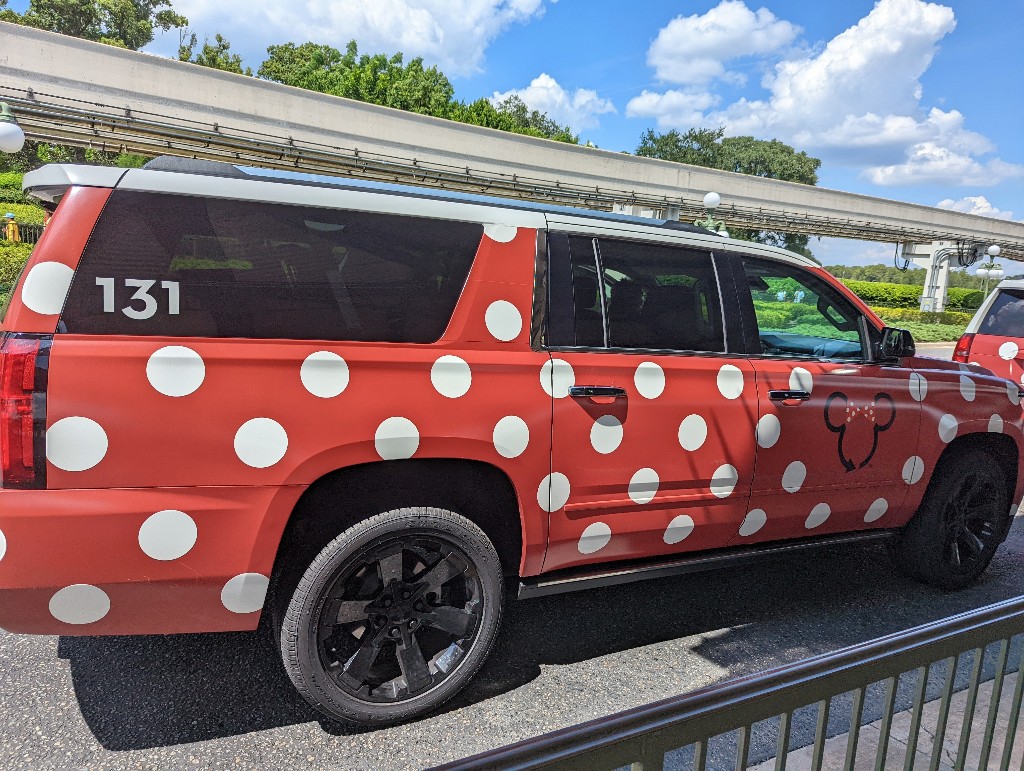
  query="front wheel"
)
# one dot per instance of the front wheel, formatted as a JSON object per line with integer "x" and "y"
{"x": 394, "y": 616}
{"x": 961, "y": 522}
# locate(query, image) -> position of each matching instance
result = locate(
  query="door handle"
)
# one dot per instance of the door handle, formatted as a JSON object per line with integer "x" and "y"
{"x": 594, "y": 390}
{"x": 786, "y": 396}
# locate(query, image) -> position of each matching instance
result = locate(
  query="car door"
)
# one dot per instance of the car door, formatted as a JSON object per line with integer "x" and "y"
{"x": 652, "y": 438}
{"x": 836, "y": 431}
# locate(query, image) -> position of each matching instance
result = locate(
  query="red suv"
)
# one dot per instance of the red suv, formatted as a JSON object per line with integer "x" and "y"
{"x": 364, "y": 411}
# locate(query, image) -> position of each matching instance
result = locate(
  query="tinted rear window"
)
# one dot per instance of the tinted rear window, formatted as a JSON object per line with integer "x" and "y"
{"x": 1006, "y": 316}
{"x": 186, "y": 266}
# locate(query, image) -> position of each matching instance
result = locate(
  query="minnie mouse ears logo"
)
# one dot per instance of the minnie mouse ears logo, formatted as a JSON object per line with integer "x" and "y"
{"x": 858, "y": 426}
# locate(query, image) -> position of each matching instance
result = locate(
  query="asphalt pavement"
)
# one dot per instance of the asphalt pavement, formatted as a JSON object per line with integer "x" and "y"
{"x": 222, "y": 700}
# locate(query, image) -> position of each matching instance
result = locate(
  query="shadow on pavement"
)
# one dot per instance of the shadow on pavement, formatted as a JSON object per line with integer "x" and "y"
{"x": 141, "y": 692}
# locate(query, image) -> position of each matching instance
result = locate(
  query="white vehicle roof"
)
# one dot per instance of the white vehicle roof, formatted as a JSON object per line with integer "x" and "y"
{"x": 221, "y": 180}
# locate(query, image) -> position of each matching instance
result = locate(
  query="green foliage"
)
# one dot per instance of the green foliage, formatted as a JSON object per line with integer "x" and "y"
{"x": 744, "y": 155}
{"x": 123, "y": 23}
{"x": 13, "y": 257}
{"x": 895, "y": 316}
{"x": 909, "y": 295}
{"x": 958, "y": 277}
{"x": 36, "y": 154}
{"x": 25, "y": 213}
{"x": 933, "y": 333}
{"x": 213, "y": 55}
{"x": 388, "y": 81}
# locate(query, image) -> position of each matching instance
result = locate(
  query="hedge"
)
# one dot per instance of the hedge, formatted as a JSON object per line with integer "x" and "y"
{"x": 909, "y": 295}
{"x": 13, "y": 257}
{"x": 953, "y": 318}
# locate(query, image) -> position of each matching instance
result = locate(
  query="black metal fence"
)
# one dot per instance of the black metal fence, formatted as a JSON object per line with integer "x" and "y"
{"x": 946, "y": 682}
{"x": 28, "y": 234}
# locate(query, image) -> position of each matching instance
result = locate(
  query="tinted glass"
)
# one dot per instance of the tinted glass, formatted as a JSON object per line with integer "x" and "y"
{"x": 650, "y": 296}
{"x": 1006, "y": 316}
{"x": 174, "y": 265}
{"x": 798, "y": 314}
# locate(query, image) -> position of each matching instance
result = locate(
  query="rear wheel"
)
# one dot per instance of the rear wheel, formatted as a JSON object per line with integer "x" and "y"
{"x": 961, "y": 522}
{"x": 394, "y": 616}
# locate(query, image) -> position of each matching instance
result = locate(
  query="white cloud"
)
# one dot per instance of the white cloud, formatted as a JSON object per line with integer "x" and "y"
{"x": 579, "y": 109}
{"x": 694, "y": 49}
{"x": 454, "y": 34}
{"x": 975, "y": 204}
{"x": 672, "y": 109}
{"x": 857, "y": 101}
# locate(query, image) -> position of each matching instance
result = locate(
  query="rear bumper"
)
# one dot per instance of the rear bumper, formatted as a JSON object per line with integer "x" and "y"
{"x": 95, "y": 562}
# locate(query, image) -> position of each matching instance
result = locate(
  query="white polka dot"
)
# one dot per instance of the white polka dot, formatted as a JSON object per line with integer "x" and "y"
{"x": 1008, "y": 350}
{"x": 730, "y": 381}
{"x": 500, "y": 233}
{"x": 768, "y": 431}
{"x": 793, "y": 477}
{"x": 261, "y": 442}
{"x": 556, "y": 378}
{"x": 918, "y": 386}
{"x": 396, "y": 439}
{"x": 948, "y": 426}
{"x": 913, "y": 470}
{"x": 75, "y": 444}
{"x": 724, "y": 481}
{"x": 801, "y": 380}
{"x": 1013, "y": 392}
{"x": 649, "y": 380}
{"x": 678, "y": 529}
{"x": 594, "y": 538}
{"x": 168, "y": 535}
{"x": 606, "y": 434}
{"x": 3, "y": 544}
{"x": 553, "y": 492}
{"x": 753, "y": 522}
{"x": 967, "y": 387}
{"x": 995, "y": 424}
{"x": 451, "y": 376}
{"x": 245, "y": 593}
{"x": 45, "y": 288}
{"x": 511, "y": 436}
{"x": 324, "y": 374}
{"x": 693, "y": 431}
{"x": 643, "y": 486}
{"x": 818, "y": 515}
{"x": 503, "y": 320}
{"x": 175, "y": 370}
{"x": 79, "y": 604}
{"x": 876, "y": 510}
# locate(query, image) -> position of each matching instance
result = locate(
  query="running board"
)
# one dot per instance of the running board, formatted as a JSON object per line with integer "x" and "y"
{"x": 574, "y": 580}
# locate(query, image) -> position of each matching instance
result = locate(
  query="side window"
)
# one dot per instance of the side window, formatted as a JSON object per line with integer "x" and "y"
{"x": 798, "y": 314}
{"x": 188, "y": 266}
{"x": 1006, "y": 316}
{"x": 630, "y": 294}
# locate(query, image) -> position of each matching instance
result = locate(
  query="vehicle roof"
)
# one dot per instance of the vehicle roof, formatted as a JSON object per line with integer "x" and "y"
{"x": 169, "y": 174}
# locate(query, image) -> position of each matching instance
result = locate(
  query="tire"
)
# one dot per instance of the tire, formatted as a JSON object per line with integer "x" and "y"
{"x": 961, "y": 522}
{"x": 394, "y": 616}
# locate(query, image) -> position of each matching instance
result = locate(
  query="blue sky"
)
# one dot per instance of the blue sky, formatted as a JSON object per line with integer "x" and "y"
{"x": 902, "y": 99}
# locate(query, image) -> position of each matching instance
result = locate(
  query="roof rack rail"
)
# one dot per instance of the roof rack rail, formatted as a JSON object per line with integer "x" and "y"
{"x": 676, "y": 225}
{"x": 194, "y": 166}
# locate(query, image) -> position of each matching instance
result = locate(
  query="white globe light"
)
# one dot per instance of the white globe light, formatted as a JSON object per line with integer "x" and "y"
{"x": 12, "y": 138}
{"x": 996, "y": 273}
{"x": 723, "y": 233}
{"x": 982, "y": 273}
{"x": 993, "y": 251}
{"x": 711, "y": 200}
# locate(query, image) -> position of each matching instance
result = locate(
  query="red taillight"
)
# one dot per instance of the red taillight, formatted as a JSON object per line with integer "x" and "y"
{"x": 23, "y": 411}
{"x": 963, "y": 347}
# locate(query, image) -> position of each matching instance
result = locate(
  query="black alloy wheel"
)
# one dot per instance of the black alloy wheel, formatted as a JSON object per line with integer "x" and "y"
{"x": 961, "y": 522}
{"x": 394, "y": 616}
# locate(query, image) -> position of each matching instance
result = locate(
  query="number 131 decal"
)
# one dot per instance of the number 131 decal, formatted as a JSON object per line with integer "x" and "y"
{"x": 142, "y": 295}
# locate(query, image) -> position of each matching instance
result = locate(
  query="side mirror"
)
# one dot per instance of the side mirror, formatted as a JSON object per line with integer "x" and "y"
{"x": 895, "y": 344}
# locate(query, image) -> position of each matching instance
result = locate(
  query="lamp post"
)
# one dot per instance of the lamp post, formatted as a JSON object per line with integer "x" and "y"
{"x": 711, "y": 202}
{"x": 990, "y": 269}
{"x": 12, "y": 138}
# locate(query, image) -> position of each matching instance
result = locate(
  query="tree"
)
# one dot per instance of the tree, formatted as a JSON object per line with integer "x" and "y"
{"x": 213, "y": 55}
{"x": 388, "y": 81}
{"x": 745, "y": 155}
{"x": 125, "y": 23}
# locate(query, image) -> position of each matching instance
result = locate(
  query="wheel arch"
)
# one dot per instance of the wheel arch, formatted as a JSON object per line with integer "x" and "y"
{"x": 1000, "y": 446}
{"x": 479, "y": 491}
